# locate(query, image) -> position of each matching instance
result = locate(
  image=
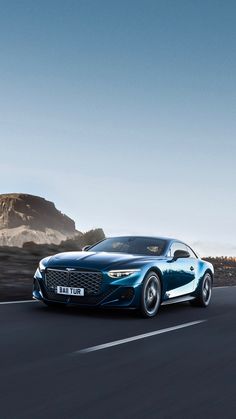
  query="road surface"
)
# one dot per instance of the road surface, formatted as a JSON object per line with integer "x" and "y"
{"x": 92, "y": 364}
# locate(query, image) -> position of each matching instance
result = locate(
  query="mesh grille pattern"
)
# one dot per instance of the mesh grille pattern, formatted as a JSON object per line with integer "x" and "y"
{"x": 88, "y": 299}
{"x": 56, "y": 277}
{"x": 90, "y": 281}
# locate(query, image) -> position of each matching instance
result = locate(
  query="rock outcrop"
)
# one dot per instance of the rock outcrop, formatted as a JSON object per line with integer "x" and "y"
{"x": 28, "y": 218}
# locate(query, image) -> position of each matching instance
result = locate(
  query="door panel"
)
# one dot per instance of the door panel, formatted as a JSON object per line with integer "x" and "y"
{"x": 180, "y": 277}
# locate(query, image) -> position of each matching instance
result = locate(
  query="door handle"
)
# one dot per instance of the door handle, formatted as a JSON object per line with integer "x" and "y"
{"x": 191, "y": 268}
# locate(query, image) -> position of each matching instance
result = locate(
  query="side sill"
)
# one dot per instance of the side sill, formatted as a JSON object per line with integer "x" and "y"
{"x": 178, "y": 300}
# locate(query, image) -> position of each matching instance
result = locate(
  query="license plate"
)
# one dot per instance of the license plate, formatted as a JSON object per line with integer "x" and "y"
{"x": 70, "y": 291}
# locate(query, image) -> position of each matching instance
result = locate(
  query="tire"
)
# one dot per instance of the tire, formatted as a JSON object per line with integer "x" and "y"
{"x": 151, "y": 295}
{"x": 204, "y": 294}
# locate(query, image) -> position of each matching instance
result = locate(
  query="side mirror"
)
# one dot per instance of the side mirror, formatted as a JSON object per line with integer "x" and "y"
{"x": 86, "y": 248}
{"x": 180, "y": 254}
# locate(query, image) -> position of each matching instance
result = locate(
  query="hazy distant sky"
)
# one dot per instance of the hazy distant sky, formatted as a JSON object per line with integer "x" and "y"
{"x": 124, "y": 114}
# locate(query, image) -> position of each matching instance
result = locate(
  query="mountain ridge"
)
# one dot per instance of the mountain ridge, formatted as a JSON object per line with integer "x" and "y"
{"x": 30, "y": 218}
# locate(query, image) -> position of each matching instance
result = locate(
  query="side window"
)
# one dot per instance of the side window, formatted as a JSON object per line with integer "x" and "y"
{"x": 191, "y": 252}
{"x": 176, "y": 246}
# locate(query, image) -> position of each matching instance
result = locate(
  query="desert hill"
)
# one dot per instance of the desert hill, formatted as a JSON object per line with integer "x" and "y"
{"x": 28, "y": 218}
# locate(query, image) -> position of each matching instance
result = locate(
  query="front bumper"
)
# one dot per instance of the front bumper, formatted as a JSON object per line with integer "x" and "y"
{"x": 113, "y": 294}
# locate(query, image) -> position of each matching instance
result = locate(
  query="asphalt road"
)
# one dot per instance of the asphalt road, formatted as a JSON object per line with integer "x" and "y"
{"x": 187, "y": 372}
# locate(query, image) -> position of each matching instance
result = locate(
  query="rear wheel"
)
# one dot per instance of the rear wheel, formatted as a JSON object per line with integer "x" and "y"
{"x": 204, "y": 295}
{"x": 151, "y": 295}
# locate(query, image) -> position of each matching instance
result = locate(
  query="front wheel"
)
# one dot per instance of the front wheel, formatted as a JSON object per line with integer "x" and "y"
{"x": 204, "y": 295}
{"x": 151, "y": 295}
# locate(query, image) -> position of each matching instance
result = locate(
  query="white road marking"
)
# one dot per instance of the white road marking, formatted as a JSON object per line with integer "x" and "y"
{"x": 18, "y": 302}
{"x": 137, "y": 337}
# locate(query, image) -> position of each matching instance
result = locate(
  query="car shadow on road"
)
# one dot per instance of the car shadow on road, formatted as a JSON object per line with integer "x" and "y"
{"x": 176, "y": 310}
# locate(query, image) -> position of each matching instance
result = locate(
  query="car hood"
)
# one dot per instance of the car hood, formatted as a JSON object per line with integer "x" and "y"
{"x": 98, "y": 260}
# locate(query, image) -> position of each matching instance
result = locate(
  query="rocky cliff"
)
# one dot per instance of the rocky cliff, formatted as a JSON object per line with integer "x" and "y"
{"x": 28, "y": 218}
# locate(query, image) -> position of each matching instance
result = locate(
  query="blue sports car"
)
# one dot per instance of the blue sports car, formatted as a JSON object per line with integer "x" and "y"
{"x": 129, "y": 272}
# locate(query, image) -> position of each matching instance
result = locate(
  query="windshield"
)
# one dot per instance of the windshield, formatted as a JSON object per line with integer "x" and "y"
{"x": 135, "y": 245}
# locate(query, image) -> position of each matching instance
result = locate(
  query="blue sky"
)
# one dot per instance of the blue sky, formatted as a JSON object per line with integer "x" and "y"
{"x": 124, "y": 114}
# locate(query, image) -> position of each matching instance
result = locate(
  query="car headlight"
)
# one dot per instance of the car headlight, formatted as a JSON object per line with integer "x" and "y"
{"x": 122, "y": 273}
{"x": 42, "y": 264}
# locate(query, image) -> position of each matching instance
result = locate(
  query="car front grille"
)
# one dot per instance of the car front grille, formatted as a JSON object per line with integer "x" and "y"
{"x": 91, "y": 281}
{"x": 87, "y": 300}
